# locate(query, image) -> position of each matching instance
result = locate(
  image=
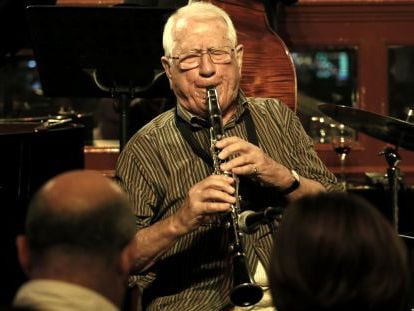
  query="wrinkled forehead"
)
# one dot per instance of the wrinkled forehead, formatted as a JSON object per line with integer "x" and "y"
{"x": 200, "y": 33}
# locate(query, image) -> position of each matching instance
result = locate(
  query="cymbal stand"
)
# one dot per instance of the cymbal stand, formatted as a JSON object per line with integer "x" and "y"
{"x": 393, "y": 173}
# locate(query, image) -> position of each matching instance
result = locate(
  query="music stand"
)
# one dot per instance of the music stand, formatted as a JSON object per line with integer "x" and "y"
{"x": 100, "y": 52}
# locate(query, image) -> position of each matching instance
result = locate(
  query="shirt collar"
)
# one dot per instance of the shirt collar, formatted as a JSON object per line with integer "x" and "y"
{"x": 47, "y": 294}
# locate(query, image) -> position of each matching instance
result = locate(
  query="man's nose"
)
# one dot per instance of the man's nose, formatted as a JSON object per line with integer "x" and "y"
{"x": 207, "y": 67}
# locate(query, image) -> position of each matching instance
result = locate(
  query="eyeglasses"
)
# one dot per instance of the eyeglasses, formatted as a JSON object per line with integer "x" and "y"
{"x": 192, "y": 59}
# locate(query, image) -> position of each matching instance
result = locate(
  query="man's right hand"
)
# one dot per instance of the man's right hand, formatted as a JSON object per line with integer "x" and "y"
{"x": 212, "y": 195}
{"x": 204, "y": 201}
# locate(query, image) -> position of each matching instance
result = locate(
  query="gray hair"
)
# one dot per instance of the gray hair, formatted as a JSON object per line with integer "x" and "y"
{"x": 201, "y": 10}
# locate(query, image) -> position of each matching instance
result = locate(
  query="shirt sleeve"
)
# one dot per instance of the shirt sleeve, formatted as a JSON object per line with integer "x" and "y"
{"x": 301, "y": 150}
{"x": 133, "y": 177}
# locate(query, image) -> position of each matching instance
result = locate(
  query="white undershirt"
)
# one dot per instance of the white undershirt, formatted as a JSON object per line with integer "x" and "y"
{"x": 51, "y": 295}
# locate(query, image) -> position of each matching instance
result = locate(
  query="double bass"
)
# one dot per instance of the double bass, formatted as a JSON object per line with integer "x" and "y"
{"x": 268, "y": 69}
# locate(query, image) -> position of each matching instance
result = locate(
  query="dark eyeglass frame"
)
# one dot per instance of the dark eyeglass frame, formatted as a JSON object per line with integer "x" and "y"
{"x": 192, "y": 59}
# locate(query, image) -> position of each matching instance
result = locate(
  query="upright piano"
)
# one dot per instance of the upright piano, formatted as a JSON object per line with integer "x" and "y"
{"x": 31, "y": 153}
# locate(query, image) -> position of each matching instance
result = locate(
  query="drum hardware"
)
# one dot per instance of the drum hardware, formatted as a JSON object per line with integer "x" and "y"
{"x": 388, "y": 129}
{"x": 394, "y": 177}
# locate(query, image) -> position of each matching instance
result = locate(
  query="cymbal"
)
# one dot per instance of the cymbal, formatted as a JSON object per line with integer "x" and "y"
{"x": 387, "y": 129}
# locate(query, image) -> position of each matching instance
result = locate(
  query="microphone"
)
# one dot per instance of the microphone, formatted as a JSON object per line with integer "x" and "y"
{"x": 249, "y": 221}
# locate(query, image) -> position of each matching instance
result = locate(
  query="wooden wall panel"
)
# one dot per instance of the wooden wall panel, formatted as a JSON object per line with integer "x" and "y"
{"x": 370, "y": 27}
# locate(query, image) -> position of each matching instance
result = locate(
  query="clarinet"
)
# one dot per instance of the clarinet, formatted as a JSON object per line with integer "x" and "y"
{"x": 244, "y": 292}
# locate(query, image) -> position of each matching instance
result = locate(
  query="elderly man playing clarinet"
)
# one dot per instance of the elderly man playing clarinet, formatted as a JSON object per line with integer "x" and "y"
{"x": 188, "y": 178}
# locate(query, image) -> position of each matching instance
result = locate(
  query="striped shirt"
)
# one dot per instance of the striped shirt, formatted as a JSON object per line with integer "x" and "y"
{"x": 157, "y": 168}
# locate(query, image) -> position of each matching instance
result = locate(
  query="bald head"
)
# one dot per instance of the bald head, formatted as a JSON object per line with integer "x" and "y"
{"x": 80, "y": 229}
{"x": 78, "y": 191}
{"x": 79, "y": 212}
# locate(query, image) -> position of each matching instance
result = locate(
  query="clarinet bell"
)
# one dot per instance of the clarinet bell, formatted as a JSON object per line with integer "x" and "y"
{"x": 245, "y": 292}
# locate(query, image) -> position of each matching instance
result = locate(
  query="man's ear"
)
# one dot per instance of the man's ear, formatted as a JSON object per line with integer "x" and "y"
{"x": 239, "y": 56}
{"x": 167, "y": 66}
{"x": 23, "y": 253}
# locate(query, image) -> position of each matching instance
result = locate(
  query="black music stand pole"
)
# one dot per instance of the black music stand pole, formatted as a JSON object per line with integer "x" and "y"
{"x": 124, "y": 122}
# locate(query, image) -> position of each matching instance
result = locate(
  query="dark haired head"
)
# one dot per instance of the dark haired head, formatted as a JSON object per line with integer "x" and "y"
{"x": 334, "y": 251}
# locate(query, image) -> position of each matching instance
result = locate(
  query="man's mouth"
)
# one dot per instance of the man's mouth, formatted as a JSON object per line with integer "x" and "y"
{"x": 201, "y": 92}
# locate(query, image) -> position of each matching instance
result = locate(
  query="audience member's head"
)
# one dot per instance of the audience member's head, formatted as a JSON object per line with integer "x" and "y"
{"x": 79, "y": 230}
{"x": 335, "y": 251}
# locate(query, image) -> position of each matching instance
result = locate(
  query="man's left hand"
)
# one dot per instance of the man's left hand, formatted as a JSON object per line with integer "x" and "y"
{"x": 244, "y": 158}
